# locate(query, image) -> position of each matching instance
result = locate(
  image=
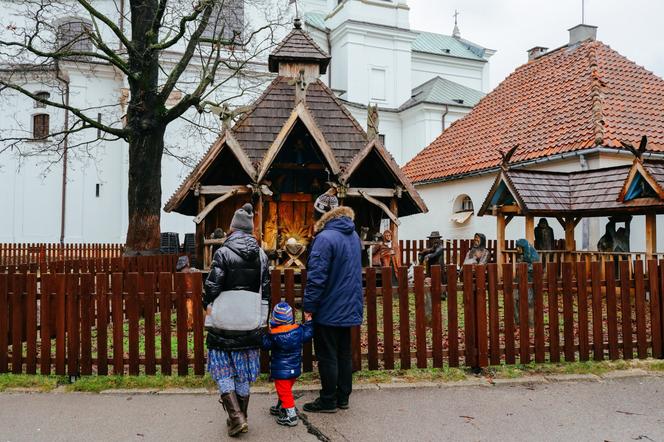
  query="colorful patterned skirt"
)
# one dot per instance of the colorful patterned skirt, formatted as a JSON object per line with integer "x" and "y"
{"x": 239, "y": 366}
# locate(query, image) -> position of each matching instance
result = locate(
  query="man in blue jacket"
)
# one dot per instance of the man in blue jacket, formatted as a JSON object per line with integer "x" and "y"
{"x": 333, "y": 298}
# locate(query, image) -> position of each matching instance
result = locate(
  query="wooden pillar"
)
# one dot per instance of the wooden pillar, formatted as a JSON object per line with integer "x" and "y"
{"x": 530, "y": 229}
{"x": 500, "y": 240}
{"x": 258, "y": 219}
{"x": 394, "y": 208}
{"x": 200, "y": 235}
{"x": 651, "y": 235}
{"x": 570, "y": 244}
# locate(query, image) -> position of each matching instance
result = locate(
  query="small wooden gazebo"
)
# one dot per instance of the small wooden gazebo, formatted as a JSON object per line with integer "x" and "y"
{"x": 294, "y": 143}
{"x": 636, "y": 189}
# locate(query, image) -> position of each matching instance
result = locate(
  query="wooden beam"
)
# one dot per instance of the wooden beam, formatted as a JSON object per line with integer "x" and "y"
{"x": 562, "y": 222}
{"x": 380, "y": 204}
{"x": 315, "y": 132}
{"x": 274, "y": 149}
{"x": 510, "y": 209}
{"x": 221, "y": 190}
{"x": 377, "y": 192}
{"x": 651, "y": 235}
{"x": 508, "y": 219}
{"x": 570, "y": 242}
{"x": 203, "y": 213}
{"x": 241, "y": 155}
{"x": 530, "y": 229}
{"x": 500, "y": 240}
{"x": 394, "y": 228}
{"x": 258, "y": 219}
{"x": 200, "y": 237}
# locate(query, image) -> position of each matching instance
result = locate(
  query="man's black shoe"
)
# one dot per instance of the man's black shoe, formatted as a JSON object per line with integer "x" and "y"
{"x": 317, "y": 407}
{"x": 342, "y": 405}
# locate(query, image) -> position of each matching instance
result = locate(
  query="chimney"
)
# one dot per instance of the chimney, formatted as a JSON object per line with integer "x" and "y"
{"x": 536, "y": 51}
{"x": 579, "y": 33}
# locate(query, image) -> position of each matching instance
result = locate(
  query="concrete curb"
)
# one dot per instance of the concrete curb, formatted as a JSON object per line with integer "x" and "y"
{"x": 572, "y": 378}
{"x": 526, "y": 380}
{"x": 396, "y": 384}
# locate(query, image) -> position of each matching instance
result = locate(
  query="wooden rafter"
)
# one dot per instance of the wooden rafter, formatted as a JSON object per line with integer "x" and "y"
{"x": 383, "y": 206}
{"x": 378, "y": 192}
{"x": 241, "y": 155}
{"x": 638, "y": 167}
{"x": 389, "y": 162}
{"x": 215, "y": 202}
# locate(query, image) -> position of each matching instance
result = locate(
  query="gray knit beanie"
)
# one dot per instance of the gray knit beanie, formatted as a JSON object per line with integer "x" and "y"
{"x": 325, "y": 203}
{"x": 244, "y": 219}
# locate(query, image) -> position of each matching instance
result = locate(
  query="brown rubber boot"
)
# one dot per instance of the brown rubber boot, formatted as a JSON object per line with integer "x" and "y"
{"x": 237, "y": 420}
{"x": 244, "y": 406}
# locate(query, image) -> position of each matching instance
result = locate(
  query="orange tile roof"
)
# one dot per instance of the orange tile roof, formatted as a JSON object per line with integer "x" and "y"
{"x": 570, "y": 99}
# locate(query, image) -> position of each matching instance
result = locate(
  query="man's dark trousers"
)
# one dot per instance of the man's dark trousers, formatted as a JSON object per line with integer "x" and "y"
{"x": 333, "y": 352}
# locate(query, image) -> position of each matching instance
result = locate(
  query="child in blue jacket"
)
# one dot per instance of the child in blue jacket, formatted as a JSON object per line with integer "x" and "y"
{"x": 285, "y": 339}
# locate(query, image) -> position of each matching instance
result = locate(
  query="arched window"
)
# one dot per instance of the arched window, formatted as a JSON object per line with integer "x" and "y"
{"x": 40, "y": 126}
{"x": 41, "y": 96}
{"x": 463, "y": 203}
{"x": 463, "y": 209}
{"x": 74, "y": 35}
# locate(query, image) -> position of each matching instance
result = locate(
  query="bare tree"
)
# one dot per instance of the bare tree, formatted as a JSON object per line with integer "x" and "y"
{"x": 175, "y": 59}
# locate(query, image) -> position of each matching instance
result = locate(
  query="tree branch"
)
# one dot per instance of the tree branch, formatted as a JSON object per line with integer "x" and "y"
{"x": 122, "y": 133}
{"x": 187, "y": 55}
{"x": 108, "y": 22}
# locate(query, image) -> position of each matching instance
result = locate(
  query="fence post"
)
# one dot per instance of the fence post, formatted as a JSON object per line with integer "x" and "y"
{"x": 470, "y": 344}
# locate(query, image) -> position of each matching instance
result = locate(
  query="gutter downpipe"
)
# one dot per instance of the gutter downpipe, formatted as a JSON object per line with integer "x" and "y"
{"x": 329, "y": 50}
{"x": 63, "y": 207}
{"x": 585, "y": 223}
{"x": 447, "y": 109}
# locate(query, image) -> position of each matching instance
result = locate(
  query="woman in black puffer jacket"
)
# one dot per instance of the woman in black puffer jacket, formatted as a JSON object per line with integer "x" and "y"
{"x": 234, "y": 356}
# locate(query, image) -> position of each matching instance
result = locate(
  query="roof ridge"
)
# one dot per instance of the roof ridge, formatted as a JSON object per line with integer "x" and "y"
{"x": 596, "y": 94}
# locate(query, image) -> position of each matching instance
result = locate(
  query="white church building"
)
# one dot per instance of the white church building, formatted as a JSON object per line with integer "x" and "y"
{"x": 422, "y": 82}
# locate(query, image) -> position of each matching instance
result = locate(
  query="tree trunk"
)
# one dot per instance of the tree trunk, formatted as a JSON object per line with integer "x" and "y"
{"x": 144, "y": 193}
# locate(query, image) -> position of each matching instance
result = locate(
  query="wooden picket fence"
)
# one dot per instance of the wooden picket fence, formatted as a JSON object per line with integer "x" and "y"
{"x": 123, "y": 264}
{"x": 78, "y": 323}
{"x": 30, "y": 253}
{"x": 455, "y": 250}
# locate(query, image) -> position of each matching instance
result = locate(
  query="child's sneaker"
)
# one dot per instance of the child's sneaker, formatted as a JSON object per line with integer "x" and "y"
{"x": 275, "y": 410}
{"x": 287, "y": 417}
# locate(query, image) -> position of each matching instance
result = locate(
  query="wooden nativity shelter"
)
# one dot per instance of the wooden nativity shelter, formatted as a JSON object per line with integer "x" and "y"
{"x": 296, "y": 141}
{"x": 636, "y": 189}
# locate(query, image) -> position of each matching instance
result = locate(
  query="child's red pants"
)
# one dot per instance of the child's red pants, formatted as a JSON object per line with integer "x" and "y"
{"x": 285, "y": 391}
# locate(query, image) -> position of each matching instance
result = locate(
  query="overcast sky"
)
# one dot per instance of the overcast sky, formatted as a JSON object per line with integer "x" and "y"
{"x": 635, "y": 28}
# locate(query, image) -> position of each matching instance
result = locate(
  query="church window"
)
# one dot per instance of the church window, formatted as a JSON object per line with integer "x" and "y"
{"x": 41, "y": 96}
{"x": 377, "y": 83}
{"x": 74, "y": 35}
{"x": 226, "y": 22}
{"x": 40, "y": 129}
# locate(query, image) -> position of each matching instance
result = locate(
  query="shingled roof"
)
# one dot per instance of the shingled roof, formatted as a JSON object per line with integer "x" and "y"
{"x": 298, "y": 45}
{"x": 258, "y": 128}
{"x": 589, "y": 192}
{"x": 573, "y": 98}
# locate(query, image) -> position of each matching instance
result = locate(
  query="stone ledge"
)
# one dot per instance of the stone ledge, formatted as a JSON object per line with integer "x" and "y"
{"x": 622, "y": 374}
{"x": 519, "y": 381}
{"x": 572, "y": 377}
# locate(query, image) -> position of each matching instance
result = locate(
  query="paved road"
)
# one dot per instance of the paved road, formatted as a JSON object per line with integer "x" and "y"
{"x": 614, "y": 410}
